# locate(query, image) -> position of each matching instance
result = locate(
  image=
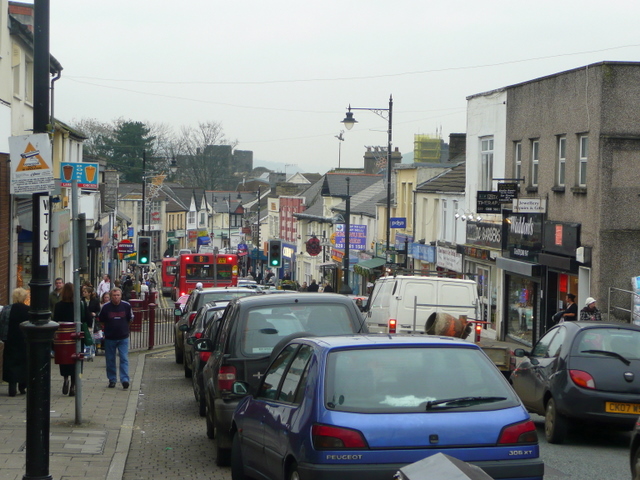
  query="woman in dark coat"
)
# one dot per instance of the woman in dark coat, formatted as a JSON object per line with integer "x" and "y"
{"x": 14, "y": 367}
{"x": 64, "y": 312}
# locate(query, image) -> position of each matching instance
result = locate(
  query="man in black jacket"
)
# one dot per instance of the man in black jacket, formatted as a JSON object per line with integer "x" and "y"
{"x": 115, "y": 317}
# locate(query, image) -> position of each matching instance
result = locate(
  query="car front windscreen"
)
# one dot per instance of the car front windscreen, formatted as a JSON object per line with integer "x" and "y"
{"x": 265, "y": 326}
{"x": 414, "y": 379}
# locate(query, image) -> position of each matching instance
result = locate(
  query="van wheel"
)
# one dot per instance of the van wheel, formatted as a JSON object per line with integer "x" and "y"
{"x": 223, "y": 457}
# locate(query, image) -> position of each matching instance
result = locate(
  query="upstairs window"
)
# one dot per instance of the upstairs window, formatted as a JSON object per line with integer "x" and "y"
{"x": 562, "y": 160}
{"x": 518, "y": 160}
{"x": 535, "y": 162}
{"x": 582, "y": 167}
{"x": 486, "y": 163}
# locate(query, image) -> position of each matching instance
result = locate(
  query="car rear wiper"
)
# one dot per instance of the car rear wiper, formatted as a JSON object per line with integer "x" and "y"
{"x": 609, "y": 354}
{"x": 452, "y": 402}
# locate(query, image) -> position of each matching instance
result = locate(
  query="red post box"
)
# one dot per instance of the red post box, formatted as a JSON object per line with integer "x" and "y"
{"x": 64, "y": 343}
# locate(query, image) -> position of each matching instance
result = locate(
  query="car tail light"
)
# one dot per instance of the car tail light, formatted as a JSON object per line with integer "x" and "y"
{"x": 198, "y": 335}
{"x": 582, "y": 379}
{"x": 183, "y": 293}
{"x": 478, "y": 331}
{"x": 191, "y": 317}
{"x": 392, "y": 325}
{"x": 226, "y": 377}
{"x": 204, "y": 356}
{"x": 524, "y": 432}
{"x": 326, "y": 437}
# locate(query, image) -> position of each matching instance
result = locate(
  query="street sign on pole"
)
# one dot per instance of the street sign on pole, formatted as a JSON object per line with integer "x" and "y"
{"x": 30, "y": 157}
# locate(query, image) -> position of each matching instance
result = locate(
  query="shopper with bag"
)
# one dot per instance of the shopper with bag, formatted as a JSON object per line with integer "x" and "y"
{"x": 91, "y": 307}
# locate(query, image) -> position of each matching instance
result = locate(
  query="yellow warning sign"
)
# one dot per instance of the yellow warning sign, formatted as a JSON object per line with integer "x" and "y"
{"x": 30, "y": 163}
{"x": 31, "y": 160}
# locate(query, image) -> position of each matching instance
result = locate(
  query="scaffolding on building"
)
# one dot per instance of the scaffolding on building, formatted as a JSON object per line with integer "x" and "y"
{"x": 426, "y": 148}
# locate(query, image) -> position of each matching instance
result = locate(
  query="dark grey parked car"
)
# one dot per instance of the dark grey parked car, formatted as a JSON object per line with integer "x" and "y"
{"x": 582, "y": 372}
{"x": 250, "y": 330}
{"x": 196, "y": 300}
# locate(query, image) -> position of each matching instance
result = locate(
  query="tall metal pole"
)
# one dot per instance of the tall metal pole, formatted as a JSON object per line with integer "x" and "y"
{"x": 144, "y": 190}
{"x": 39, "y": 330}
{"x": 77, "y": 298}
{"x": 346, "y": 289}
{"x": 389, "y": 133}
{"x": 229, "y": 240}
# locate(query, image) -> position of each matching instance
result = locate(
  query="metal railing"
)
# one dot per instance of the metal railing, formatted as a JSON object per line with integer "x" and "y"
{"x": 618, "y": 297}
{"x": 151, "y": 327}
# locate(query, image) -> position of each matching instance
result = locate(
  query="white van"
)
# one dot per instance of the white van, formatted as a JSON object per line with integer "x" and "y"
{"x": 411, "y": 300}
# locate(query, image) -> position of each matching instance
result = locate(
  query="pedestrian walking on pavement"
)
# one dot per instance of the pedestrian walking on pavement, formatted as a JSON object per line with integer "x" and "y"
{"x": 104, "y": 286}
{"x": 14, "y": 362}
{"x": 328, "y": 287}
{"x": 115, "y": 317}
{"x": 313, "y": 287}
{"x": 54, "y": 296}
{"x": 65, "y": 312}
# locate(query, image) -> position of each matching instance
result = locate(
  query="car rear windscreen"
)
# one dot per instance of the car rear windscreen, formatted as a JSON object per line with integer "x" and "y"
{"x": 266, "y": 326}
{"x": 407, "y": 379}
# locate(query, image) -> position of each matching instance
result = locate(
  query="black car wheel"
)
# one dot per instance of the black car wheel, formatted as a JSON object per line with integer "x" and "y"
{"x": 635, "y": 463}
{"x": 293, "y": 472}
{"x": 237, "y": 466}
{"x": 555, "y": 424}
{"x": 178, "y": 355}
{"x": 202, "y": 406}
{"x": 187, "y": 371}
{"x": 211, "y": 429}
{"x": 223, "y": 457}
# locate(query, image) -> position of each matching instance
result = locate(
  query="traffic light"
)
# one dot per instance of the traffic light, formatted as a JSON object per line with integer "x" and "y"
{"x": 144, "y": 250}
{"x": 275, "y": 253}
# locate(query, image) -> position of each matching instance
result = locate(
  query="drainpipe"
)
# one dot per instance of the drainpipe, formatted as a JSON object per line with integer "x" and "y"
{"x": 53, "y": 80}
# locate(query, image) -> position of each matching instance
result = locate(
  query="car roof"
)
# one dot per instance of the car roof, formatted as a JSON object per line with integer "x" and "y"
{"x": 384, "y": 340}
{"x": 294, "y": 297}
{"x": 215, "y": 305}
{"x": 220, "y": 289}
{"x": 599, "y": 324}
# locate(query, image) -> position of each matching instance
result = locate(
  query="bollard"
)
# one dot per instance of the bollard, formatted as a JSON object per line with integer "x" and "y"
{"x": 136, "y": 323}
{"x": 152, "y": 325}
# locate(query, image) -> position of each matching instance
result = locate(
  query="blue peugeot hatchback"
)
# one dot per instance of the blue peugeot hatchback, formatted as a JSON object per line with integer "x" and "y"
{"x": 354, "y": 407}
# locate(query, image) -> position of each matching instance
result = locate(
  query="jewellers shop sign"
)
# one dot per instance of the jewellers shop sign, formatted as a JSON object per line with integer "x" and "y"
{"x": 524, "y": 235}
{"x": 484, "y": 234}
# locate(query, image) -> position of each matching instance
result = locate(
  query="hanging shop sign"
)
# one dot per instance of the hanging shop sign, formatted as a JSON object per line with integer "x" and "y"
{"x": 507, "y": 192}
{"x": 488, "y": 202}
{"x": 313, "y": 246}
{"x": 524, "y": 235}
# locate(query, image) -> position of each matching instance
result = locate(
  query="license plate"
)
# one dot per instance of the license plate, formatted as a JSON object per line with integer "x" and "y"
{"x": 615, "y": 407}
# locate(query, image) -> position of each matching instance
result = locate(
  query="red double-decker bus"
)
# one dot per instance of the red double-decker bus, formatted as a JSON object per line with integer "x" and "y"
{"x": 207, "y": 268}
{"x": 168, "y": 275}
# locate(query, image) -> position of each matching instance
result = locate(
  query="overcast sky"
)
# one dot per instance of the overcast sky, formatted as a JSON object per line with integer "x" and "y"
{"x": 279, "y": 74}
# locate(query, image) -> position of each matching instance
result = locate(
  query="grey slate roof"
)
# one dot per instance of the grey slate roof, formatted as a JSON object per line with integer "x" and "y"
{"x": 449, "y": 181}
{"x": 364, "y": 202}
{"x": 334, "y": 184}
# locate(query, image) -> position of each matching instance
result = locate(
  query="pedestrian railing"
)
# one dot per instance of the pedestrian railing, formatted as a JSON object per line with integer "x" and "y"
{"x": 623, "y": 305}
{"x": 151, "y": 326}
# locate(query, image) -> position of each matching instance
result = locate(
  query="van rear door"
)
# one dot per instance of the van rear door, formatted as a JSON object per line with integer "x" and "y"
{"x": 380, "y": 305}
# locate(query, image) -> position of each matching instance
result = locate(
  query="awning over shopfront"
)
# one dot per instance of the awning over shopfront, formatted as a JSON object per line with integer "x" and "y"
{"x": 366, "y": 267}
{"x": 327, "y": 265}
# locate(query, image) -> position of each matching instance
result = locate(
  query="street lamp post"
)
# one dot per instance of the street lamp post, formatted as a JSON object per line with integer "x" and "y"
{"x": 349, "y": 122}
{"x": 346, "y": 289}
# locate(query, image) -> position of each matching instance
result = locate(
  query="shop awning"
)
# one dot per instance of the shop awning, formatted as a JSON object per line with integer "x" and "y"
{"x": 366, "y": 267}
{"x": 327, "y": 265}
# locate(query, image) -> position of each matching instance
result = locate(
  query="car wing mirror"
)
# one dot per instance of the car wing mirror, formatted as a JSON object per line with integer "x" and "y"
{"x": 183, "y": 328}
{"x": 240, "y": 388}
{"x": 203, "y": 345}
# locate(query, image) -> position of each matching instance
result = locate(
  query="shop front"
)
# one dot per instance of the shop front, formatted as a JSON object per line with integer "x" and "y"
{"x": 561, "y": 240}
{"x": 483, "y": 246}
{"x": 522, "y": 293}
